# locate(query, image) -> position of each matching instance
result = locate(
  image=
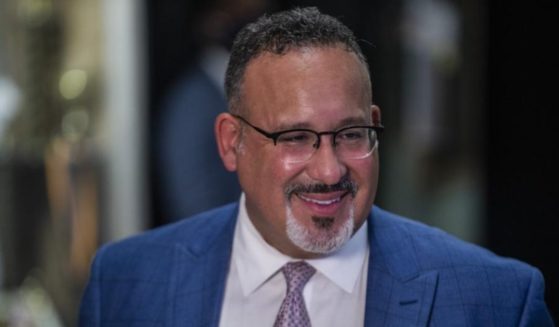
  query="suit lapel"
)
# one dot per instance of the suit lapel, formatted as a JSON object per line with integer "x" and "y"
{"x": 398, "y": 293}
{"x": 201, "y": 265}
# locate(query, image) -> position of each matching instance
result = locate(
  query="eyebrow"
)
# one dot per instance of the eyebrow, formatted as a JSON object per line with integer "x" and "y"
{"x": 354, "y": 121}
{"x": 306, "y": 125}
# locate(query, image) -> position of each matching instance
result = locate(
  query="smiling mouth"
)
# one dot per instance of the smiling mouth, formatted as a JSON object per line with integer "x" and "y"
{"x": 323, "y": 201}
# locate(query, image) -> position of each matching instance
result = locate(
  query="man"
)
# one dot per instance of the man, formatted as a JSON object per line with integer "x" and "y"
{"x": 303, "y": 246}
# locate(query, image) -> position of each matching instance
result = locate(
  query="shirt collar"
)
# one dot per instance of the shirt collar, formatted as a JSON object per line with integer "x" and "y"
{"x": 257, "y": 261}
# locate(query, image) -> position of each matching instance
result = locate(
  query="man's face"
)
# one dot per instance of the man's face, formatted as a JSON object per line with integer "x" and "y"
{"x": 310, "y": 207}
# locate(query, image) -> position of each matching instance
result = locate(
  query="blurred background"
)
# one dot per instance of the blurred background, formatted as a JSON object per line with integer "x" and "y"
{"x": 106, "y": 110}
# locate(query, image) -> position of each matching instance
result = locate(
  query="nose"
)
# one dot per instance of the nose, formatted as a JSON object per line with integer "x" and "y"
{"x": 325, "y": 166}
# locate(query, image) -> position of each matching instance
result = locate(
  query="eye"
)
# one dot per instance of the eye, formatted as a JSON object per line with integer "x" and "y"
{"x": 296, "y": 138}
{"x": 351, "y": 135}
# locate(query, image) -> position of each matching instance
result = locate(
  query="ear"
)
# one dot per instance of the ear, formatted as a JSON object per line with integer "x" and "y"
{"x": 227, "y": 134}
{"x": 375, "y": 115}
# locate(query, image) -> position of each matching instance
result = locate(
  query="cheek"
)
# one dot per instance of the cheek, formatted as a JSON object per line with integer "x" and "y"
{"x": 366, "y": 175}
{"x": 290, "y": 169}
{"x": 267, "y": 174}
{"x": 365, "y": 171}
{"x": 282, "y": 174}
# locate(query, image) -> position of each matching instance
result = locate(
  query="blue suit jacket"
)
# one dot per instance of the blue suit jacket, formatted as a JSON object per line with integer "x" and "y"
{"x": 418, "y": 276}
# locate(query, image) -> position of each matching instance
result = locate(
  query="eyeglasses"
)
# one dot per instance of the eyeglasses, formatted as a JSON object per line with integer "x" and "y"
{"x": 298, "y": 145}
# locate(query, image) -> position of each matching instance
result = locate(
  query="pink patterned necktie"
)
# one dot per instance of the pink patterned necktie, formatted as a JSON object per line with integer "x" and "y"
{"x": 293, "y": 312}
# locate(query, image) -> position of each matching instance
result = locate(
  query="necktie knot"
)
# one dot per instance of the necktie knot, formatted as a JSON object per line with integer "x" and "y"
{"x": 297, "y": 274}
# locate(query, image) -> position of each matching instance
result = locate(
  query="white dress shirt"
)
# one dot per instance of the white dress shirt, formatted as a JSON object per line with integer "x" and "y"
{"x": 334, "y": 296}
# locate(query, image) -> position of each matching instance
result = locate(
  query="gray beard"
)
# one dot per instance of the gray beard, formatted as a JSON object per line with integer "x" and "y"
{"x": 323, "y": 240}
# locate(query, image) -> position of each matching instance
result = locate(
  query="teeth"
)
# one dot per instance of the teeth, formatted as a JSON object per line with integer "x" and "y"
{"x": 320, "y": 202}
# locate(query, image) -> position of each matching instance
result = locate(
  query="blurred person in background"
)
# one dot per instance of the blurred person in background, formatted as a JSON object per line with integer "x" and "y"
{"x": 304, "y": 245}
{"x": 190, "y": 175}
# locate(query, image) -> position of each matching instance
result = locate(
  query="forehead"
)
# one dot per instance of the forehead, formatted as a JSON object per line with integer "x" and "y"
{"x": 295, "y": 63}
{"x": 303, "y": 84}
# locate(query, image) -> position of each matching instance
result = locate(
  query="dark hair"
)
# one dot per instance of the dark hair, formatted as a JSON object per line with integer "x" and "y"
{"x": 280, "y": 33}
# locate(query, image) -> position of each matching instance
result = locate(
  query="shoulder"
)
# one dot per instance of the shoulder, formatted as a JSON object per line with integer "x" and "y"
{"x": 155, "y": 245}
{"x": 437, "y": 247}
{"x": 470, "y": 277}
{"x": 434, "y": 249}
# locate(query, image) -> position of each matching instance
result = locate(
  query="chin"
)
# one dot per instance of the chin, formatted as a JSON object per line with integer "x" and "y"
{"x": 323, "y": 236}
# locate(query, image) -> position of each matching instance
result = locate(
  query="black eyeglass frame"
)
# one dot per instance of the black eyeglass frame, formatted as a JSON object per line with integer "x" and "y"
{"x": 275, "y": 135}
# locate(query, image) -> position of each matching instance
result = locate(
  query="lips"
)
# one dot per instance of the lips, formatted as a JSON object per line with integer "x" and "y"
{"x": 322, "y": 199}
{"x": 321, "y": 204}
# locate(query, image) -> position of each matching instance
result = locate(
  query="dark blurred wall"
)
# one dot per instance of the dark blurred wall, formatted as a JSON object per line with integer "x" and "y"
{"x": 522, "y": 137}
{"x": 170, "y": 52}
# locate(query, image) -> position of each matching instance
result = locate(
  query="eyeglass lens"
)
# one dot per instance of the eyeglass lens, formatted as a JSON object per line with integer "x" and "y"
{"x": 349, "y": 143}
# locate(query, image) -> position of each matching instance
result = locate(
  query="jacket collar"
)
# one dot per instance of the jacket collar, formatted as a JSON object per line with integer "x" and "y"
{"x": 398, "y": 292}
{"x": 200, "y": 269}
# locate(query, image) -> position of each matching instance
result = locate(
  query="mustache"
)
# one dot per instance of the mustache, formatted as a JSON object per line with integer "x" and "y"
{"x": 345, "y": 184}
